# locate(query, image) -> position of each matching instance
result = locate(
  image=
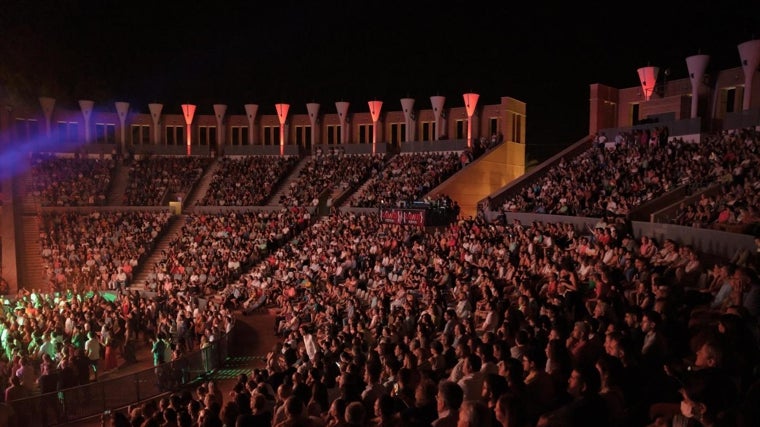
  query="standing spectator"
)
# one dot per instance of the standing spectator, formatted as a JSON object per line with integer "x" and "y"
{"x": 15, "y": 390}
{"x": 110, "y": 350}
{"x": 159, "y": 350}
{"x": 48, "y": 383}
{"x": 26, "y": 374}
{"x": 67, "y": 374}
{"x": 82, "y": 366}
{"x": 129, "y": 340}
{"x": 205, "y": 347}
{"x": 49, "y": 376}
{"x": 92, "y": 351}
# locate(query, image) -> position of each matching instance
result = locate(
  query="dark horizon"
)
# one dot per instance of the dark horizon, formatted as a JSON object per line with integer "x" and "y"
{"x": 237, "y": 53}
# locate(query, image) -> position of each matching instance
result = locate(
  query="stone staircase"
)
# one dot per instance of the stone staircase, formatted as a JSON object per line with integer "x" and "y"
{"x": 119, "y": 185}
{"x": 30, "y": 204}
{"x": 201, "y": 187}
{"x": 285, "y": 185}
{"x": 342, "y": 199}
{"x": 337, "y": 194}
{"x": 34, "y": 272}
{"x": 143, "y": 271}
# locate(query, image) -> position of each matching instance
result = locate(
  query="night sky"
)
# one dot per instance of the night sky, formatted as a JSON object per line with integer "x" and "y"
{"x": 235, "y": 52}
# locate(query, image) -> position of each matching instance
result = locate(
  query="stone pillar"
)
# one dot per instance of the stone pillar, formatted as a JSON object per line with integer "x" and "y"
{"x": 282, "y": 116}
{"x": 374, "y": 111}
{"x": 219, "y": 111}
{"x": 313, "y": 109}
{"x": 470, "y": 102}
{"x": 750, "y": 56}
{"x": 155, "y": 114}
{"x": 648, "y": 79}
{"x": 86, "y": 107}
{"x": 250, "y": 112}
{"x": 48, "y": 105}
{"x": 188, "y": 111}
{"x": 122, "y": 109}
{"x": 342, "y": 108}
{"x": 407, "y": 105}
{"x": 696, "y": 65}
{"x": 437, "y": 102}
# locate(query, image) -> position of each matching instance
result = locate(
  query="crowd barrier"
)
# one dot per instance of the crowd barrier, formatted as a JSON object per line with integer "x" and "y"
{"x": 713, "y": 242}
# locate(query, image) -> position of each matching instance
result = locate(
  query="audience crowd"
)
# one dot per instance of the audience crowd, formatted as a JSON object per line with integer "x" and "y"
{"x": 96, "y": 250}
{"x": 211, "y": 251}
{"x": 330, "y": 172}
{"x": 152, "y": 178}
{"x": 526, "y": 325}
{"x": 247, "y": 181}
{"x": 59, "y": 181}
{"x": 54, "y": 341}
{"x": 478, "y": 323}
{"x": 408, "y": 178}
{"x": 615, "y": 177}
{"x": 734, "y": 207}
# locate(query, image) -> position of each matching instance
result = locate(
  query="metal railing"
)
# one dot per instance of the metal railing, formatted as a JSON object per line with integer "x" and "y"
{"x": 86, "y": 401}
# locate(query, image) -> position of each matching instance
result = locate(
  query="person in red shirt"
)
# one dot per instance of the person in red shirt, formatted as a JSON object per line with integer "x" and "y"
{"x": 725, "y": 215}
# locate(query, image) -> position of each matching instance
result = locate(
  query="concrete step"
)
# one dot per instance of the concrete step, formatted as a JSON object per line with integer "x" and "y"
{"x": 146, "y": 267}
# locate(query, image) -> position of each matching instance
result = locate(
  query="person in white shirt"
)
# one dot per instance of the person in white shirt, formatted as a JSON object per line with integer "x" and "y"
{"x": 68, "y": 326}
{"x": 472, "y": 381}
{"x": 491, "y": 321}
{"x": 463, "y": 308}
{"x": 121, "y": 278}
{"x": 4, "y": 333}
{"x": 462, "y": 351}
{"x": 47, "y": 346}
{"x": 92, "y": 350}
